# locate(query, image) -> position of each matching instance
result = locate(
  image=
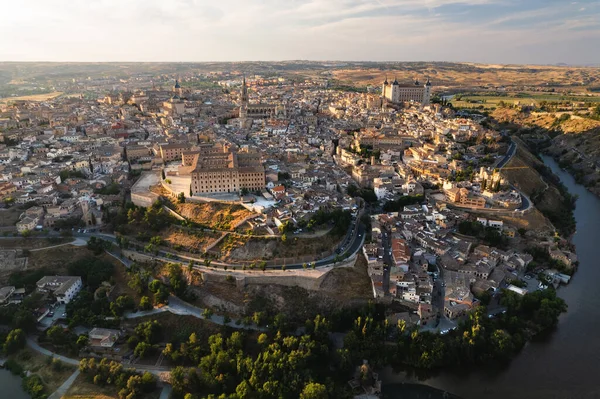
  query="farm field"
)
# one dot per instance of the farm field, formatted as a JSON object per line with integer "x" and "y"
{"x": 34, "y": 97}
{"x": 469, "y": 100}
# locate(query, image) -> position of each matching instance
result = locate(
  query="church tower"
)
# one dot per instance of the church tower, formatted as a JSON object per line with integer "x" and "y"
{"x": 427, "y": 93}
{"x": 384, "y": 88}
{"x": 244, "y": 99}
{"x": 177, "y": 88}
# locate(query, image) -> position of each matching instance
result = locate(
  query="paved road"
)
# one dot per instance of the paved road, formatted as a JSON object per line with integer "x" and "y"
{"x": 166, "y": 392}
{"x": 179, "y": 307}
{"x": 78, "y": 242}
{"x": 62, "y": 390}
{"x": 34, "y": 345}
{"x": 351, "y": 246}
{"x": 387, "y": 261}
{"x": 512, "y": 149}
{"x": 525, "y": 202}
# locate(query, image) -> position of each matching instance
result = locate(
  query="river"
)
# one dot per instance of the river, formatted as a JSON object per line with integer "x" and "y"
{"x": 10, "y": 385}
{"x": 563, "y": 366}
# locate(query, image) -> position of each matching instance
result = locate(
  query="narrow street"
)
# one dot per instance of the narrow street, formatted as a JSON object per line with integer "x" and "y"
{"x": 387, "y": 260}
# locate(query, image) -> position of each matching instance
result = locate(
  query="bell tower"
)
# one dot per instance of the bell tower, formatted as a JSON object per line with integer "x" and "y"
{"x": 244, "y": 99}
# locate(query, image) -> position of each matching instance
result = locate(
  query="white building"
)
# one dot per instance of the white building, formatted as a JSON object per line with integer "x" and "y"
{"x": 64, "y": 288}
{"x": 397, "y": 93}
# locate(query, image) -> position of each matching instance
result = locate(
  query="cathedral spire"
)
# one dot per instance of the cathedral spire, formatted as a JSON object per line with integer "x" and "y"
{"x": 244, "y": 90}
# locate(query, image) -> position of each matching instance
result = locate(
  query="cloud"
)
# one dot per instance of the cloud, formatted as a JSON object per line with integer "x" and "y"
{"x": 201, "y": 30}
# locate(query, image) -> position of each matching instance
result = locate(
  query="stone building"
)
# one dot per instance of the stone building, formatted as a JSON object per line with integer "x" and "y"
{"x": 219, "y": 169}
{"x": 396, "y": 93}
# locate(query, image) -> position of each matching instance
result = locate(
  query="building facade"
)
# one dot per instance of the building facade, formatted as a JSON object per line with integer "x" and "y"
{"x": 225, "y": 171}
{"x": 64, "y": 288}
{"x": 173, "y": 152}
{"x": 257, "y": 111}
{"x": 396, "y": 93}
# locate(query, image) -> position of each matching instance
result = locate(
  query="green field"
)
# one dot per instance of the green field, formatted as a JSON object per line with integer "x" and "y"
{"x": 473, "y": 100}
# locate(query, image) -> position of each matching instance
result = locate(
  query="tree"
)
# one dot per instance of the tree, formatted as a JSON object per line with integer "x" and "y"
{"x": 82, "y": 341}
{"x": 258, "y": 318}
{"x": 176, "y": 279}
{"x": 283, "y": 176}
{"x": 145, "y": 303}
{"x": 262, "y": 339}
{"x": 314, "y": 390}
{"x": 15, "y": 340}
{"x": 181, "y": 198}
{"x": 149, "y": 332}
{"x": 24, "y": 319}
{"x": 207, "y": 314}
{"x": 56, "y": 335}
{"x": 136, "y": 283}
{"x": 121, "y": 305}
{"x": 148, "y": 382}
{"x": 243, "y": 390}
{"x": 93, "y": 271}
{"x": 142, "y": 349}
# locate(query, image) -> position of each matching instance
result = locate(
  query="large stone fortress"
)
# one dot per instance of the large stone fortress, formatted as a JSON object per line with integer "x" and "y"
{"x": 396, "y": 93}
{"x": 218, "y": 169}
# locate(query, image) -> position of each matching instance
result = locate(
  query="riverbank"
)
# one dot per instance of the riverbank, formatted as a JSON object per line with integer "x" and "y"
{"x": 563, "y": 363}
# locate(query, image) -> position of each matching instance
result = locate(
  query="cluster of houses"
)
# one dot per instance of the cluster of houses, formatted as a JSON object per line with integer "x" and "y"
{"x": 416, "y": 250}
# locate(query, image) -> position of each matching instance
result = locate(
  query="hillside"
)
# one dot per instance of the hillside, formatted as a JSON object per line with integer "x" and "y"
{"x": 570, "y": 139}
{"x": 546, "y": 120}
{"x": 469, "y": 74}
{"x": 544, "y": 190}
{"x": 214, "y": 215}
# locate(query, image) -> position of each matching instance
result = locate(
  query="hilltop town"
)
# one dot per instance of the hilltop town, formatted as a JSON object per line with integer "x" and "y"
{"x": 207, "y": 188}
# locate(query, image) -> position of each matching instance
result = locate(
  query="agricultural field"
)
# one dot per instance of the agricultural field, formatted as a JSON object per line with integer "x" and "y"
{"x": 454, "y": 75}
{"x": 34, "y": 97}
{"x": 485, "y": 101}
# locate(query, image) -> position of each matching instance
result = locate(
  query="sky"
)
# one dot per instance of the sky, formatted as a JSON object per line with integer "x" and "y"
{"x": 485, "y": 31}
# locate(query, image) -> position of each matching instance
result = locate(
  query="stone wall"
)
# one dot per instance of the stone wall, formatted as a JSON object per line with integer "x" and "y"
{"x": 307, "y": 279}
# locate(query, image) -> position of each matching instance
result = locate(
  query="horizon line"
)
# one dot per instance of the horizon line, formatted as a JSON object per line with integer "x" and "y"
{"x": 557, "y": 64}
